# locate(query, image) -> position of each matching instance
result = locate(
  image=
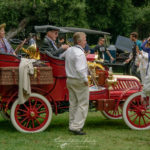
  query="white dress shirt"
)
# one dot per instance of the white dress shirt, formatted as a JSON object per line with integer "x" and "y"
{"x": 142, "y": 59}
{"x": 75, "y": 63}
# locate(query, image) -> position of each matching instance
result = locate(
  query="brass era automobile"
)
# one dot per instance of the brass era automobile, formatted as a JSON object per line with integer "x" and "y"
{"x": 109, "y": 93}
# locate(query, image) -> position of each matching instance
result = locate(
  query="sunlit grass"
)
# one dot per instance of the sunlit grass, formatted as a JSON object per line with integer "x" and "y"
{"x": 102, "y": 134}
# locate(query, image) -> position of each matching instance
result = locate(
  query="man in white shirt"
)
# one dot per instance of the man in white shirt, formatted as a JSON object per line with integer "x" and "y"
{"x": 77, "y": 83}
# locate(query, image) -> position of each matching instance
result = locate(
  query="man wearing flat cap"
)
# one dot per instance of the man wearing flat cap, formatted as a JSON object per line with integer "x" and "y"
{"x": 48, "y": 46}
{"x": 5, "y": 47}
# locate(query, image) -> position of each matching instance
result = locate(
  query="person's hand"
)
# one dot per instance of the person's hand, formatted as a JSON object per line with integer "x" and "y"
{"x": 126, "y": 61}
{"x": 65, "y": 46}
{"x": 14, "y": 53}
{"x": 86, "y": 83}
{"x": 112, "y": 59}
{"x": 148, "y": 38}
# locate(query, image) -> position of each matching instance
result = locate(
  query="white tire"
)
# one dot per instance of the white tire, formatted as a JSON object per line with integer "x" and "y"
{"x": 111, "y": 115}
{"x": 135, "y": 114}
{"x": 26, "y": 117}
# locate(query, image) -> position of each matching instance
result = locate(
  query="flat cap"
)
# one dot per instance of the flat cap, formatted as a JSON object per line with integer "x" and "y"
{"x": 52, "y": 28}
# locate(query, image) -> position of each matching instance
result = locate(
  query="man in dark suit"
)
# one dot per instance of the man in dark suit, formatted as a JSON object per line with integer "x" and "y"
{"x": 49, "y": 46}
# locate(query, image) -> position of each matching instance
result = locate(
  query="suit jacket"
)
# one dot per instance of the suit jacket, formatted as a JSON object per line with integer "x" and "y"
{"x": 48, "y": 47}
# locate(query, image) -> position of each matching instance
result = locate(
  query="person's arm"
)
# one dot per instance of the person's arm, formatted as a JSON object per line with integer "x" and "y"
{"x": 146, "y": 49}
{"x": 129, "y": 59}
{"x": 108, "y": 53}
{"x": 81, "y": 67}
{"x": 63, "y": 55}
{"x": 20, "y": 46}
{"x": 47, "y": 46}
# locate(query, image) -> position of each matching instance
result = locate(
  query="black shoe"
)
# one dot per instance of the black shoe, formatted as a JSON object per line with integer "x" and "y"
{"x": 80, "y": 132}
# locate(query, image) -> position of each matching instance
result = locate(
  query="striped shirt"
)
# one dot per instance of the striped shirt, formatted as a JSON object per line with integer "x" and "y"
{"x": 5, "y": 47}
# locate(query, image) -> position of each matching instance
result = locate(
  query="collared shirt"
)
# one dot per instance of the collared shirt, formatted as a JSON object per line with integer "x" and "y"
{"x": 5, "y": 47}
{"x": 53, "y": 42}
{"x": 75, "y": 63}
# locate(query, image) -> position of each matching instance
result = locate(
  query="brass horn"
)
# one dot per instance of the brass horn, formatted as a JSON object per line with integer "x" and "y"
{"x": 32, "y": 52}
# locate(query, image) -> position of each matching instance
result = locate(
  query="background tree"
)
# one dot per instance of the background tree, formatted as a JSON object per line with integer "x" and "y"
{"x": 119, "y": 17}
{"x": 114, "y": 16}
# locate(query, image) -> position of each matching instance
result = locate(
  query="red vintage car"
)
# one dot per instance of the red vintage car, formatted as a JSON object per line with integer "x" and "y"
{"x": 122, "y": 99}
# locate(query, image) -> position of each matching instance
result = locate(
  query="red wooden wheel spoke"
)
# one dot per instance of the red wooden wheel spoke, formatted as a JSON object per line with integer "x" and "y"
{"x": 40, "y": 112}
{"x": 133, "y": 105}
{"x": 39, "y": 106}
{"x": 118, "y": 112}
{"x": 24, "y": 119}
{"x": 35, "y": 104}
{"x": 41, "y": 117}
{"x": 139, "y": 120}
{"x": 23, "y": 115}
{"x": 37, "y": 121}
{"x": 22, "y": 110}
{"x": 32, "y": 123}
{"x": 132, "y": 115}
{"x": 27, "y": 123}
{"x": 135, "y": 118}
{"x": 135, "y": 110}
{"x": 30, "y": 104}
{"x": 144, "y": 120}
{"x": 147, "y": 116}
{"x": 25, "y": 106}
{"x": 113, "y": 114}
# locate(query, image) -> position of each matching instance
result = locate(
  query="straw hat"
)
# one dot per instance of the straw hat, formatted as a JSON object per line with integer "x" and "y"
{"x": 3, "y": 25}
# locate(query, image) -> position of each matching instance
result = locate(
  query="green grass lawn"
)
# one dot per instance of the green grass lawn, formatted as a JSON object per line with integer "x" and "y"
{"x": 102, "y": 134}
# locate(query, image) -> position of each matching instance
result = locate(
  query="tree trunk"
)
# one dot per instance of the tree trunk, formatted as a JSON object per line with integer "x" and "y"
{"x": 13, "y": 32}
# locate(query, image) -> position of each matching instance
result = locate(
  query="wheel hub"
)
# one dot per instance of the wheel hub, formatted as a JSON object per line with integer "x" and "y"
{"x": 143, "y": 112}
{"x": 32, "y": 114}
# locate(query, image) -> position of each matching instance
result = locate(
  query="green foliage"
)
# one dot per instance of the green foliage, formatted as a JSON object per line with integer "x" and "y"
{"x": 114, "y": 16}
{"x": 142, "y": 21}
{"x": 119, "y": 17}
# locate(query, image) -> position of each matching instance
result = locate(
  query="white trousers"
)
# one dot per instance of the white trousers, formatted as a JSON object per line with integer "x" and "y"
{"x": 143, "y": 74}
{"x": 79, "y": 103}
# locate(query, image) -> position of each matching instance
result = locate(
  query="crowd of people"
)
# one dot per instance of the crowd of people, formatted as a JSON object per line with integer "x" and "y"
{"x": 138, "y": 58}
{"x": 77, "y": 69}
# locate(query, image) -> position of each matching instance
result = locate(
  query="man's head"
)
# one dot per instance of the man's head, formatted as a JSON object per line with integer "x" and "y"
{"x": 52, "y": 33}
{"x": 134, "y": 36}
{"x": 101, "y": 41}
{"x": 79, "y": 38}
{"x": 2, "y": 30}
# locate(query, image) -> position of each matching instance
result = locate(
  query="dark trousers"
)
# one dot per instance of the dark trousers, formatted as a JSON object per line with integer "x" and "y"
{"x": 134, "y": 70}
